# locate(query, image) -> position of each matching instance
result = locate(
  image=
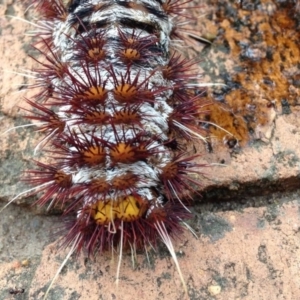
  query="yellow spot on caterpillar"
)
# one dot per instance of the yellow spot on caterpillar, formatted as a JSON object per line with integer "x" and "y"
{"x": 125, "y": 92}
{"x": 94, "y": 155}
{"x": 123, "y": 153}
{"x": 126, "y": 117}
{"x": 97, "y": 117}
{"x": 95, "y": 93}
{"x": 127, "y": 209}
{"x": 96, "y": 53}
{"x": 130, "y": 54}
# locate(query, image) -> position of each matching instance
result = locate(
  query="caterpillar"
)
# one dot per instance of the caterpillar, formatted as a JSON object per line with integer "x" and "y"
{"x": 119, "y": 106}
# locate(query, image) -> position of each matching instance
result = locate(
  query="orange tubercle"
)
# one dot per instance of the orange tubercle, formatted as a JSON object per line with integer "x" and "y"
{"x": 94, "y": 155}
{"x": 95, "y": 93}
{"x": 125, "y": 92}
{"x": 123, "y": 153}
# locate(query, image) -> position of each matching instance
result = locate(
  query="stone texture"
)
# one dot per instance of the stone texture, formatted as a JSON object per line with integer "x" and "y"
{"x": 248, "y": 234}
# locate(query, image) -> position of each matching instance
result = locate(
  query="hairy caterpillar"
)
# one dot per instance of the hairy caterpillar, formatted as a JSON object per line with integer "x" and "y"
{"x": 118, "y": 108}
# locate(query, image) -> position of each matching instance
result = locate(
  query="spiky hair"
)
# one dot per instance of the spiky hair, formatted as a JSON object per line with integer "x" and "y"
{"x": 119, "y": 100}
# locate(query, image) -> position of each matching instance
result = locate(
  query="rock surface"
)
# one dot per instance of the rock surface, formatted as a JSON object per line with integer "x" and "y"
{"x": 248, "y": 219}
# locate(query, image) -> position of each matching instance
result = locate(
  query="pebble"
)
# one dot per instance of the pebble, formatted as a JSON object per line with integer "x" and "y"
{"x": 214, "y": 290}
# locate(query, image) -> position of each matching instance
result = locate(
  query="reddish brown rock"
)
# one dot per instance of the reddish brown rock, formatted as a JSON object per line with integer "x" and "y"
{"x": 245, "y": 252}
